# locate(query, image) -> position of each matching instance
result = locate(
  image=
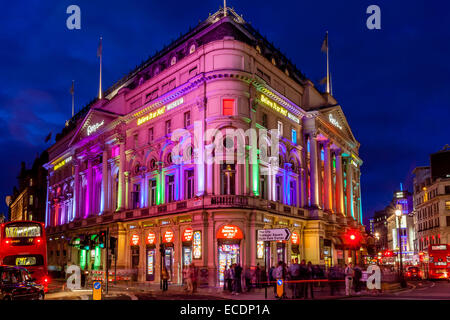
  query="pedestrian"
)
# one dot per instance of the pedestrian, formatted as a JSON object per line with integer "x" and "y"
{"x": 294, "y": 273}
{"x": 279, "y": 274}
{"x": 309, "y": 279}
{"x": 357, "y": 279}
{"x": 190, "y": 278}
{"x": 302, "y": 277}
{"x": 230, "y": 276}
{"x": 248, "y": 279}
{"x": 349, "y": 273}
{"x": 165, "y": 278}
{"x": 185, "y": 278}
{"x": 237, "y": 279}
{"x": 258, "y": 276}
{"x": 226, "y": 274}
{"x": 272, "y": 279}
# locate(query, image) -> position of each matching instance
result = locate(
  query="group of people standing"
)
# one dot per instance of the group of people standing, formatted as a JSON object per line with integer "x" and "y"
{"x": 232, "y": 279}
{"x": 190, "y": 276}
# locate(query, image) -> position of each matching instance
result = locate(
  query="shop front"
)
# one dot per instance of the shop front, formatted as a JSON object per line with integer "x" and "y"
{"x": 295, "y": 247}
{"x": 150, "y": 256}
{"x": 186, "y": 241}
{"x": 229, "y": 239}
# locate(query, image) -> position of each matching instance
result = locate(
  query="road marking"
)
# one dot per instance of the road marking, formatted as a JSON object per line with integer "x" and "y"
{"x": 84, "y": 297}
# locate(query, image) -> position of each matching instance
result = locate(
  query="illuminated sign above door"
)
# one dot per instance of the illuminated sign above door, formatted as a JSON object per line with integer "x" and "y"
{"x": 135, "y": 240}
{"x": 230, "y": 232}
{"x": 91, "y": 129}
{"x": 168, "y": 236}
{"x": 187, "y": 235}
{"x": 151, "y": 238}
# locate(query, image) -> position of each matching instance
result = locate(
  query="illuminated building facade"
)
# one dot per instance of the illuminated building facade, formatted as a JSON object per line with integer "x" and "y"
{"x": 114, "y": 166}
{"x": 432, "y": 201}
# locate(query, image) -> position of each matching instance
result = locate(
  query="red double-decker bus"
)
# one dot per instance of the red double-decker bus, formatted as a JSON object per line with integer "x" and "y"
{"x": 438, "y": 261}
{"x": 23, "y": 243}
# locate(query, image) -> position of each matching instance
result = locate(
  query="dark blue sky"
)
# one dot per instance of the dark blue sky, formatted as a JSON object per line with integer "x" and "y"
{"x": 393, "y": 83}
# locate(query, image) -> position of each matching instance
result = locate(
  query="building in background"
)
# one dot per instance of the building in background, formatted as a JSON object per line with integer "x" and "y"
{"x": 28, "y": 201}
{"x": 113, "y": 167}
{"x": 380, "y": 229}
{"x": 432, "y": 201}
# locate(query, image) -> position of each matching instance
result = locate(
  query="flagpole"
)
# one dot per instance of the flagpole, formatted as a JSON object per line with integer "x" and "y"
{"x": 224, "y": 8}
{"x": 328, "y": 68}
{"x": 73, "y": 100}
{"x": 100, "y": 83}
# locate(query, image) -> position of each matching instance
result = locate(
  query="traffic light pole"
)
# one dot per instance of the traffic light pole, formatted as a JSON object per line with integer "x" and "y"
{"x": 107, "y": 259}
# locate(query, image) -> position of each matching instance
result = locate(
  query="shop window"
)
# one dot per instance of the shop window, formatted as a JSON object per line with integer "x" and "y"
{"x": 228, "y": 177}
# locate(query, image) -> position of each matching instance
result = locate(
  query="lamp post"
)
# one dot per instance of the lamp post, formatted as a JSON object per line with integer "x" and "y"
{"x": 398, "y": 214}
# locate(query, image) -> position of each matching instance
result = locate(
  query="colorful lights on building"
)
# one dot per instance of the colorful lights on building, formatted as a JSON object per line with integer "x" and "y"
{"x": 295, "y": 238}
{"x": 197, "y": 245}
{"x": 91, "y": 129}
{"x": 275, "y": 106}
{"x": 260, "y": 249}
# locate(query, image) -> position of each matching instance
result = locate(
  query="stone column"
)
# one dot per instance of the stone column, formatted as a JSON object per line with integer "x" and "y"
{"x": 209, "y": 170}
{"x": 212, "y": 241}
{"x": 313, "y": 175}
{"x": 89, "y": 191}
{"x": 104, "y": 204}
{"x": 328, "y": 199}
{"x": 121, "y": 191}
{"x": 339, "y": 184}
{"x": 349, "y": 190}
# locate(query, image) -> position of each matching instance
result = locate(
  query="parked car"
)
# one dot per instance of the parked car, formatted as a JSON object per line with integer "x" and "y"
{"x": 413, "y": 273}
{"x": 16, "y": 283}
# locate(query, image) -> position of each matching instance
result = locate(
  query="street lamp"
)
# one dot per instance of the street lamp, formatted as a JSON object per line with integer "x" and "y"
{"x": 398, "y": 214}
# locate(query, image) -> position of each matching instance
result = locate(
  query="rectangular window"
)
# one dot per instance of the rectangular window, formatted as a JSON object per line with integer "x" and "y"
{"x": 189, "y": 184}
{"x": 292, "y": 193}
{"x": 447, "y": 189}
{"x": 187, "y": 119}
{"x": 447, "y": 205}
{"x": 294, "y": 136}
{"x": 150, "y": 135}
{"x": 264, "y": 120}
{"x": 168, "y": 127}
{"x": 279, "y": 189}
{"x": 170, "y": 188}
{"x": 448, "y": 221}
{"x": 152, "y": 95}
{"x": 228, "y": 177}
{"x": 152, "y": 188}
{"x": 228, "y": 107}
{"x": 136, "y": 140}
{"x": 135, "y": 196}
{"x": 280, "y": 128}
{"x": 30, "y": 202}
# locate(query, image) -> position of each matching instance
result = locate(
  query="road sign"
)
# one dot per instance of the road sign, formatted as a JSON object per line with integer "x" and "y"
{"x": 274, "y": 234}
{"x": 280, "y": 289}
{"x": 97, "y": 290}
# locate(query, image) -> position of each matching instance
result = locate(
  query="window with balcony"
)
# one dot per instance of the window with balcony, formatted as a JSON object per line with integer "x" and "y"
{"x": 228, "y": 179}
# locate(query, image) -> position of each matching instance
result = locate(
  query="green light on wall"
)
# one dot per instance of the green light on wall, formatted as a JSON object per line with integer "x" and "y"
{"x": 255, "y": 178}
{"x": 98, "y": 258}
{"x": 82, "y": 259}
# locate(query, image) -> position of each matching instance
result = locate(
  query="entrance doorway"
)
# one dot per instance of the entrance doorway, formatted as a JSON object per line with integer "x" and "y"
{"x": 228, "y": 255}
{"x": 281, "y": 252}
{"x": 168, "y": 261}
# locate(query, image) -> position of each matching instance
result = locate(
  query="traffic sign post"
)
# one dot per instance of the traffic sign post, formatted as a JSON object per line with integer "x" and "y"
{"x": 97, "y": 290}
{"x": 274, "y": 234}
{"x": 280, "y": 288}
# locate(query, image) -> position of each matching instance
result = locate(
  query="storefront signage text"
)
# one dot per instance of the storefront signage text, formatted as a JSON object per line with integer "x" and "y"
{"x": 197, "y": 245}
{"x": 160, "y": 111}
{"x": 168, "y": 236}
{"x": 62, "y": 163}
{"x": 135, "y": 240}
{"x": 294, "y": 238}
{"x": 230, "y": 232}
{"x": 275, "y": 106}
{"x": 151, "y": 238}
{"x": 187, "y": 235}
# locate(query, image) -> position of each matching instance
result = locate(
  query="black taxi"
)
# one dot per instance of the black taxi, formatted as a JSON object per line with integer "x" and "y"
{"x": 16, "y": 283}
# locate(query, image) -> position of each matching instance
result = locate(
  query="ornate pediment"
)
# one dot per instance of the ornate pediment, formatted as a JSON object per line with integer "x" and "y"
{"x": 95, "y": 122}
{"x": 333, "y": 117}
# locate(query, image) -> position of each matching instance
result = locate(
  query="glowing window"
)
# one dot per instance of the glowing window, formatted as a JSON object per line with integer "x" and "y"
{"x": 228, "y": 107}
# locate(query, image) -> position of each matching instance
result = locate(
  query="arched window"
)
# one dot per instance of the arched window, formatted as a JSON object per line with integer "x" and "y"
{"x": 228, "y": 178}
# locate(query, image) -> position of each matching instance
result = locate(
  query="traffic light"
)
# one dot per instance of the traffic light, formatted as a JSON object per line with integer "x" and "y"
{"x": 112, "y": 244}
{"x": 388, "y": 253}
{"x": 85, "y": 243}
{"x": 101, "y": 240}
{"x": 353, "y": 237}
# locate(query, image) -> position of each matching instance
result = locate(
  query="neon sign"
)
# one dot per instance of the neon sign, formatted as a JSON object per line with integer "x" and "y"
{"x": 229, "y": 232}
{"x": 260, "y": 249}
{"x": 187, "y": 235}
{"x": 94, "y": 127}
{"x": 334, "y": 122}
{"x": 62, "y": 163}
{"x": 160, "y": 111}
{"x": 275, "y": 106}
{"x": 135, "y": 240}
{"x": 168, "y": 236}
{"x": 151, "y": 238}
{"x": 294, "y": 238}
{"x": 197, "y": 245}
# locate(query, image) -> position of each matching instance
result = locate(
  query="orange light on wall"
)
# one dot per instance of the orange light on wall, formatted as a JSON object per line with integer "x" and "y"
{"x": 294, "y": 238}
{"x": 135, "y": 240}
{"x": 151, "y": 238}
{"x": 230, "y": 232}
{"x": 168, "y": 236}
{"x": 187, "y": 235}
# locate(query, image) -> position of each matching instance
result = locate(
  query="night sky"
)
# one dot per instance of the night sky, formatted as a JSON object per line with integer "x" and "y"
{"x": 393, "y": 83}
